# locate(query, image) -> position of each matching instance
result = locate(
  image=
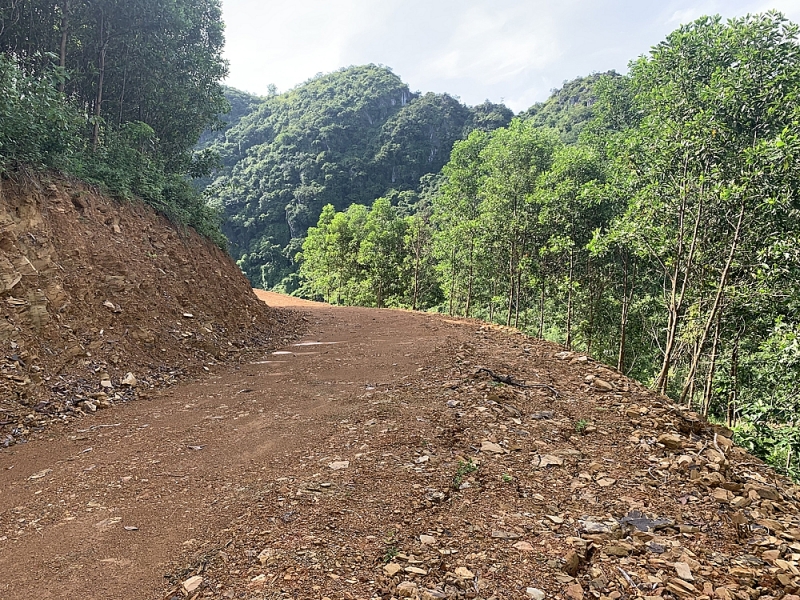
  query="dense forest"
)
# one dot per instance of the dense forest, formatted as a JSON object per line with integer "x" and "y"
{"x": 116, "y": 93}
{"x": 343, "y": 138}
{"x": 650, "y": 220}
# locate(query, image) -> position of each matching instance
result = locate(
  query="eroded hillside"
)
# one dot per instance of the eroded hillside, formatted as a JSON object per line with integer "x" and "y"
{"x": 102, "y": 300}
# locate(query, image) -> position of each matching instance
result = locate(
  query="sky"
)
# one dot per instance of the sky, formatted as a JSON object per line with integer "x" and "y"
{"x": 511, "y": 51}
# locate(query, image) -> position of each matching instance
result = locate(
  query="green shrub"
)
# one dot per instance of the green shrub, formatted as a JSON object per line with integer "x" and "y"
{"x": 39, "y": 128}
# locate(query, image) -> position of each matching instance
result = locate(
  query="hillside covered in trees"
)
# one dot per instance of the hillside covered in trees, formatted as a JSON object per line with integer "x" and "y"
{"x": 569, "y": 109}
{"x": 343, "y": 138}
{"x": 662, "y": 239}
{"x": 115, "y": 93}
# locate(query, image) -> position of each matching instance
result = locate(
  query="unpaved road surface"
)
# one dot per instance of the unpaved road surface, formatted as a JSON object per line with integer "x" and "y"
{"x": 173, "y": 467}
{"x": 372, "y": 459}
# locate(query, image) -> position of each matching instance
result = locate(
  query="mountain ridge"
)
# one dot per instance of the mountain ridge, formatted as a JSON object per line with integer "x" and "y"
{"x": 343, "y": 138}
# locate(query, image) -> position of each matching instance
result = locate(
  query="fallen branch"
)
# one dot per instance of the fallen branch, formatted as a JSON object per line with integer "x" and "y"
{"x": 509, "y": 380}
{"x": 627, "y": 578}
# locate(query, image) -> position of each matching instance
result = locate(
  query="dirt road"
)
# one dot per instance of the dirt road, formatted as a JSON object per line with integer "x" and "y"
{"x": 374, "y": 459}
{"x": 99, "y": 509}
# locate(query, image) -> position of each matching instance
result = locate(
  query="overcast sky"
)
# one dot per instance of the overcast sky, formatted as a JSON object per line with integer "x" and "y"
{"x": 514, "y": 51}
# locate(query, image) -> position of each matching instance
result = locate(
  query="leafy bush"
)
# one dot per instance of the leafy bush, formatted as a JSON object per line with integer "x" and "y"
{"x": 36, "y": 126}
{"x": 39, "y": 128}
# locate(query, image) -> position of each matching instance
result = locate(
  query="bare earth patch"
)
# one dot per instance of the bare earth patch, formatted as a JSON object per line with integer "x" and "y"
{"x": 375, "y": 458}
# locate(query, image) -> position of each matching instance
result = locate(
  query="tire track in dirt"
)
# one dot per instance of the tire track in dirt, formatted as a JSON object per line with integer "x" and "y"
{"x": 173, "y": 466}
{"x": 375, "y": 459}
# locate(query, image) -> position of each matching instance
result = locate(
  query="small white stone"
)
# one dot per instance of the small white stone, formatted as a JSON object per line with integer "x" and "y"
{"x": 487, "y": 446}
{"x": 129, "y": 380}
{"x": 427, "y": 540}
{"x": 191, "y": 584}
{"x": 535, "y": 593}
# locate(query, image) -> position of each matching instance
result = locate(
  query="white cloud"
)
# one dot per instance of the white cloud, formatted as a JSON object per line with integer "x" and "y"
{"x": 513, "y": 49}
{"x": 500, "y": 45}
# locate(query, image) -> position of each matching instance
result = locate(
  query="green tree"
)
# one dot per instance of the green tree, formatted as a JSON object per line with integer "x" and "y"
{"x": 118, "y": 94}
{"x": 382, "y": 254}
{"x": 456, "y": 213}
{"x": 514, "y": 160}
{"x": 571, "y": 209}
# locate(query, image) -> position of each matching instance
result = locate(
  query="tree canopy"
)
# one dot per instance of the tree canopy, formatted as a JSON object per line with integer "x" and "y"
{"x": 343, "y": 138}
{"x": 114, "y": 92}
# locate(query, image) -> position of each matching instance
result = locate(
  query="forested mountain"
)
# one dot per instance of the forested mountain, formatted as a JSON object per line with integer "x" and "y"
{"x": 663, "y": 239}
{"x": 241, "y": 104}
{"x": 569, "y": 108}
{"x": 343, "y": 138}
{"x": 115, "y": 92}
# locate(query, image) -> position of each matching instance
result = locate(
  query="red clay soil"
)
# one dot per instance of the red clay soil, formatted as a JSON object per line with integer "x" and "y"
{"x": 92, "y": 289}
{"x": 377, "y": 459}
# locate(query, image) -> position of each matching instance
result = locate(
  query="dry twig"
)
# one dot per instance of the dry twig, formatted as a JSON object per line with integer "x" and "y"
{"x": 509, "y": 380}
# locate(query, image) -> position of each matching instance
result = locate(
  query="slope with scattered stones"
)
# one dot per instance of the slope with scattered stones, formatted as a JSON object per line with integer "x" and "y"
{"x": 567, "y": 481}
{"x": 100, "y": 301}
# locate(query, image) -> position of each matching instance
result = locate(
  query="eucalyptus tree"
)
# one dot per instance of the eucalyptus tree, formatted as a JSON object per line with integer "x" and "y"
{"x": 712, "y": 98}
{"x": 329, "y": 257}
{"x": 382, "y": 255}
{"x": 570, "y": 196}
{"x": 514, "y": 159}
{"x": 456, "y": 215}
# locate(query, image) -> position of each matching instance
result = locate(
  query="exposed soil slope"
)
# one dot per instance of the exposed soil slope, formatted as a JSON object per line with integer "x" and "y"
{"x": 375, "y": 459}
{"x": 91, "y": 290}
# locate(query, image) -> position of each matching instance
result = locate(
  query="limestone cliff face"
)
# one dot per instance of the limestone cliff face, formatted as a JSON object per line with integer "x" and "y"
{"x": 92, "y": 289}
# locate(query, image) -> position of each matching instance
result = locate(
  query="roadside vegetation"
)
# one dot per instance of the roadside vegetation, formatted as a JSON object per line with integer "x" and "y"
{"x": 116, "y": 94}
{"x": 664, "y": 239}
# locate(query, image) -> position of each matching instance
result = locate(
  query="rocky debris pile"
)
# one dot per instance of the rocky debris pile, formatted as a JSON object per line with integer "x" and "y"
{"x": 102, "y": 301}
{"x": 455, "y": 485}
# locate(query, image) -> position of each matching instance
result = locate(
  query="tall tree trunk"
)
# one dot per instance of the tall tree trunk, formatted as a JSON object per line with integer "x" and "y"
{"x": 62, "y": 59}
{"x": 690, "y": 395}
{"x": 124, "y": 86}
{"x": 623, "y": 321}
{"x": 709, "y": 386}
{"x": 733, "y": 395}
{"x": 101, "y": 63}
{"x": 712, "y": 315}
{"x": 519, "y": 296}
{"x": 452, "y": 278}
{"x": 417, "y": 261}
{"x": 491, "y": 300}
{"x": 594, "y": 288}
{"x": 676, "y": 296}
{"x": 511, "y": 283}
{"x": 569, "y": 298}
{"x": 339, "y": 286}
{"x": 541, "y": 307}
{"x": 471, "y": 277}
